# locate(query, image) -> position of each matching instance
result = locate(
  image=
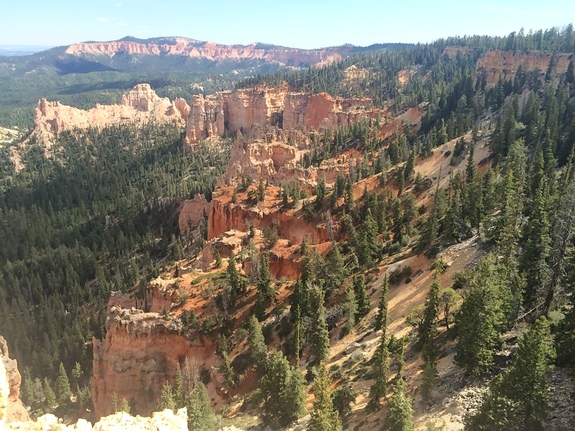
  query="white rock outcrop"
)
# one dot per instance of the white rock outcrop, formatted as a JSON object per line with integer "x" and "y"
{"x": 166, "y": 420}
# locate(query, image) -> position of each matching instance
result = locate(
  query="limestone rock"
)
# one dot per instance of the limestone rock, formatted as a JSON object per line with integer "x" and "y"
{"x": 140, "y": 105}
{"x": 160, "y": 421}
{"x": 15, "y": 409}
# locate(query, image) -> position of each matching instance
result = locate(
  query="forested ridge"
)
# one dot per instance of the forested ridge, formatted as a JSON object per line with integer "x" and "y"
{"x": 99, "y": 215}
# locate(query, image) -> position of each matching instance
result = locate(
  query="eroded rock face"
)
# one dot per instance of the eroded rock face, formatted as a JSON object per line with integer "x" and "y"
{"x": 138, "y": 106}
{"x": 192, "y": 213}
{"x": 15, "y": 410}
{"x": 4, "y": 393}
{"x": 242, "y": 109}
{"x": 505, "y": 64}
{"x": 226, "y": 216}
{"x": 140, "y": 352}
{"x": 211, "y": 51}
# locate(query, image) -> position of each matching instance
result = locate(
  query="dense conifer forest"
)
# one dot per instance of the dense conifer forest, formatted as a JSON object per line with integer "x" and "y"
{"x": 98, "y": 214}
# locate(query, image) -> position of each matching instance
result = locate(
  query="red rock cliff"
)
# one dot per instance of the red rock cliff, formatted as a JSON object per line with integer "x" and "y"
{"x": 504, "y": 64}
{"x": 226, "y": 216}
{"x": 242, "y": 109}
{"x": 140, "y": 352}
{"x": 192, "y": 212}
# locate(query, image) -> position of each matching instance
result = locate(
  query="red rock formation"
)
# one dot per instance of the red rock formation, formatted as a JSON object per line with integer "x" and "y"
{"x": 140, "y": 105}
{"x": 504, "y": 64}
{"x": 139, "y": 353}
{"x": 226, "y": 216}
{"x": 160, "y": 295}
{"x": 192, "y": 212}
{"x": 210, "y": 51}
{"x": 259, "y": 106}
{"x": 15, "y": 411}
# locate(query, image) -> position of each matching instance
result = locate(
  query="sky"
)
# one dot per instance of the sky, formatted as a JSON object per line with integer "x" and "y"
{"x": 293, "y": 23}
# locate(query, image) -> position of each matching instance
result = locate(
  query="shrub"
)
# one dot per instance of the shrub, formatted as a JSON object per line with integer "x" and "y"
{"x": 399, "y": 274}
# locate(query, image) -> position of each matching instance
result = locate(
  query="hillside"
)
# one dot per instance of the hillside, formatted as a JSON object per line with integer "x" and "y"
{"x": 385, "y": 241}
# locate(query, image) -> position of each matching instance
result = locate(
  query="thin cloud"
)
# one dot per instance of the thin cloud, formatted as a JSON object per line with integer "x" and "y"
{"x": 103, "y": 19}
{"x": 118, "y": 4}
{"x": 121, "y": 24}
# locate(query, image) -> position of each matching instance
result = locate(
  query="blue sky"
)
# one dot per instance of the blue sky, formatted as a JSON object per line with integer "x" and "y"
{"x": 296, "y": 23}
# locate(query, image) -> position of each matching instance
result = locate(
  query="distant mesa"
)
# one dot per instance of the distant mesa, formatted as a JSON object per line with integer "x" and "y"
{"x": 191, "y": 48}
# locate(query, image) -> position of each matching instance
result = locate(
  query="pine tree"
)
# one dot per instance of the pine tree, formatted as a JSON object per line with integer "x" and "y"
{"x": 50, "y": 400}
{"x": 167, "y": 399}
{"x": 257, "y": 347}
{"x": 431, "y": 232}
{"x": 320, "y": 192}
{"x": 298, "y": 333}
{"x": 569, "y": 75}
{"x": 282, "y": 391}
{"x": 361, "y": 298}
{"x": 343, "y": 397}
{"x": 264, "y": 279}
{"x": 409, "y": 166}
{"x": 27, "y": 391}
{"x": 63, "y": 391}
{"x": 348, "y": 197}
{"x": 236, "y": 284}
{"x": 562, "y": 232}
{"x": 368, "y": 248}
{"x": 481, "y": 317}
{"x": 400, "y": 417}
{"x": 426, "y": 334}
{"x": 449, "y": 298}
{"x": 324, "y": 417}
{"x": 513, "y": 201}
{"x": 518, "y": 399}
{"x": 199, "y": 408}
{"x": 427, "y": 330}
{"x": 227, "y": 370}
{"x": 319, "y": 335}
{"x": 380, "y": 369}
{"x": 261, "y": 191}
{"x": 350, "y": 307}
{"x": 535, "y": 256}
{"x": 381, "y": 318}
{"x": 218, "y": 258}
{"x": 334, "y": 270}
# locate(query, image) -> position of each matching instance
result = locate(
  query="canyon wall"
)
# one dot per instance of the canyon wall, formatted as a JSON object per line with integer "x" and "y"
{"x": 505, "y": 64}
{"x": 138, "y": 106}
{"x": 4, "y": 393}
{"x": 192, "y": 212}
{"x": 14, "y": 409}
{"x": 242, "y": 109}
{"x": 210, "y": 51}
{"x": 14, "y": 417}
{"x": 140, "y": 352}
